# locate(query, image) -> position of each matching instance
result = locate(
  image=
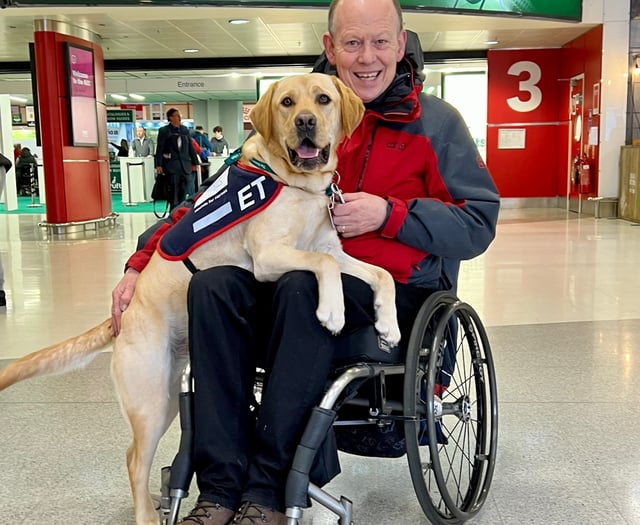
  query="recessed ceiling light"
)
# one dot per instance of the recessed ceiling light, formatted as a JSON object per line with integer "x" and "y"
{"x": 238, "y": 21}
{"x": 135, "y": 96}
{"x": 191, "y": 50}
{"x": 491, "y": 43}
{"x": 118, "y": 97}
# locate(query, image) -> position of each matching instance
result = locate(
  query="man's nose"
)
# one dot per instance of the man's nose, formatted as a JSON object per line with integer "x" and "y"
{"x": 367, "y": 53}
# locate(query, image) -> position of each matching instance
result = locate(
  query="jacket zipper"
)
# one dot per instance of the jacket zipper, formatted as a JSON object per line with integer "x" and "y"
{"x": 366, "y": 158}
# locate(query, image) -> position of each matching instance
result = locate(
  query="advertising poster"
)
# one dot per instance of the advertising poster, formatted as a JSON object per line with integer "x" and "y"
{"x": 81, "y": 89}
{"x": 119, "y": 127}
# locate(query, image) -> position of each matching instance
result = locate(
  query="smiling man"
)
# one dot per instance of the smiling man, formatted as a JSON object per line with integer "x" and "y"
{"x": 365, "y": 43}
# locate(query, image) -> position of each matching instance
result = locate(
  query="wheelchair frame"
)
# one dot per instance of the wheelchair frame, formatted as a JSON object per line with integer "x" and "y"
{"x": 449, "y": 414}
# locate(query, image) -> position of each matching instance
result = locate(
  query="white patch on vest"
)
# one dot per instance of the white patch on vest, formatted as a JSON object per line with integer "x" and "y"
{"x": 218, "y": 214}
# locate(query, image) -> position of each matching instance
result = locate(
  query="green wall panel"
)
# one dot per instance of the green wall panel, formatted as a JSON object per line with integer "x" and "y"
{"x": 561, "y": 9}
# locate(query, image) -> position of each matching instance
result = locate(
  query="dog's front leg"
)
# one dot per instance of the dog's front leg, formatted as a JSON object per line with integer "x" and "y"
{"x": 272, "y": 262}
{"x": 384, "y": 294}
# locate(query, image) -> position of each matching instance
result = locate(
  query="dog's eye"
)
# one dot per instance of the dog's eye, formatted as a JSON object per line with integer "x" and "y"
{"x": 287, "y": 101}
{"x": 323, "y": 99}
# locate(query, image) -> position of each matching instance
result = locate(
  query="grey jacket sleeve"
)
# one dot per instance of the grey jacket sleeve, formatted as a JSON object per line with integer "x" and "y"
{"x": 465, "y": 227}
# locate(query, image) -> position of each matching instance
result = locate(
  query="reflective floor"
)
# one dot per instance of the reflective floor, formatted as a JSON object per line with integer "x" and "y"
{"x": 558, "y": 293}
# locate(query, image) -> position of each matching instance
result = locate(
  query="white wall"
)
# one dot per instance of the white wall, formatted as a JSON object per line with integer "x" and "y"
{"x": 614, "y": 15}
{"x": 9, "y": 195}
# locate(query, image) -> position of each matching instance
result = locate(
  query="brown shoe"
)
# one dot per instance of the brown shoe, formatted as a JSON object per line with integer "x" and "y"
{"x": 252, "y": 514}
{"x": 206, "y": 513}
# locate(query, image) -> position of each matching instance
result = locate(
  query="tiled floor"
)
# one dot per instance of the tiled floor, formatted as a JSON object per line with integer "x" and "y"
{"x": 558, "y": 293}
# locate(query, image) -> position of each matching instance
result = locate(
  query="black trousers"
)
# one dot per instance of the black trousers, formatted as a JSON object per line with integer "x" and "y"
{"x": 237, "y": 323}
{"x": 183, "y": 184}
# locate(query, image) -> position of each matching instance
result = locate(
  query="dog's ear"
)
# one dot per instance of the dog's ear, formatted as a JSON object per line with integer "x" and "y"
{"x": 261, "y": 113}
{"x": 352, "y": 108}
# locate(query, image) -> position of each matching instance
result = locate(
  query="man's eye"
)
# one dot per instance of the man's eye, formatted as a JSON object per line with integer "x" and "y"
{"x": 287, "y": 101}
{"x": 323, "y": 99}
{"x": 352, "y": 43}
{"x": 381, "y": 43}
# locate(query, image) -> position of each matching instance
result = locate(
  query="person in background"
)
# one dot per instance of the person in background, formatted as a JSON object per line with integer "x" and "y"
{"x": 176, "y": 156}
{"x": 206, "y": 150}
{"x": 201, "y": 138}
{"x": 17, "y": 149}
{"x": 123, "y": 148}
{"x": 26, "y": 166}
{"x": 219, "y": 143}
{"x": 418, "y": 200}
{"x": 142, "y": 146}
{"x": 5, "y": 165}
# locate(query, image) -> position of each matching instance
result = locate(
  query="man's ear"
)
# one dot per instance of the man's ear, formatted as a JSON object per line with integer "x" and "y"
{"x": 351, "y": 107}
{"x": 327, "y": 43}
{"x": 260, "y": 115}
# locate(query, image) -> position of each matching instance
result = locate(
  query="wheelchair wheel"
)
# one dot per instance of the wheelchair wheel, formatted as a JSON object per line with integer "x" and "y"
{"x": 451, "y": 410}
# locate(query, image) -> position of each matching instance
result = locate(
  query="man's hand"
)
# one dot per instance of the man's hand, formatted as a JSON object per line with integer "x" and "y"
{"x": 121, "y": 297}
{"x": 361, "y": 213}
{"x": 159, "y": 170}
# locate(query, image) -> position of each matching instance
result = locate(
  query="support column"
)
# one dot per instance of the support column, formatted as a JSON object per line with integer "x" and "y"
{"x": 76, "y": 177}
{"x": 9, "y": 196}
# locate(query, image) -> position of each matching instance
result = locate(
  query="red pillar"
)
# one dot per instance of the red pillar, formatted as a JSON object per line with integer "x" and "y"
{"x": 76, "y": 177}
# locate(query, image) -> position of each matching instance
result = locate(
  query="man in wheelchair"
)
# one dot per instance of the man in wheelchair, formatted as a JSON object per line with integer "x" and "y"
{"x": 418, "y": 200}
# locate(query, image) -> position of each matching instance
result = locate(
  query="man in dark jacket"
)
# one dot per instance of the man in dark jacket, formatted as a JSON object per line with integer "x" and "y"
{"x": 419, "y": 199}
{"x": 176, "y": 156}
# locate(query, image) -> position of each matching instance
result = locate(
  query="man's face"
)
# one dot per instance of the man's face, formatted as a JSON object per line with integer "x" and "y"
{"x": 217, "y": 134}
{"x": 366, "y": 45}
{"x": 175, "y": 119}
{"x": 140, "y": 133}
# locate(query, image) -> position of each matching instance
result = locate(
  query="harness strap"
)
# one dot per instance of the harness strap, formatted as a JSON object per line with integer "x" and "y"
{"x": 190, "y": 266}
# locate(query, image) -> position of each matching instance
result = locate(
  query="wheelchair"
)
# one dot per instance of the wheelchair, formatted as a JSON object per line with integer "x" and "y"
{"x": 436, "y": 402}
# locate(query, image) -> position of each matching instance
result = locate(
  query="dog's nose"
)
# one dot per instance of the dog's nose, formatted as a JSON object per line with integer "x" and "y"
{"x": 305, "y": 122}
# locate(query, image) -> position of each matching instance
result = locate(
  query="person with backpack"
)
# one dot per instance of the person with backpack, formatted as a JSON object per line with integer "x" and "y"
{"x": 206, "y": 148}
{"x": 26, "y": 167}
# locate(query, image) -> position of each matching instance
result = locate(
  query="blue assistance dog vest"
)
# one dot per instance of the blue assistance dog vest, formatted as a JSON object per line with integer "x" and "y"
{"x": 239, "y": 193}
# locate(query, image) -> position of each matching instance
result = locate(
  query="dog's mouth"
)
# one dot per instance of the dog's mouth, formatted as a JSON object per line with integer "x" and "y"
{"x": 307, "y": 155}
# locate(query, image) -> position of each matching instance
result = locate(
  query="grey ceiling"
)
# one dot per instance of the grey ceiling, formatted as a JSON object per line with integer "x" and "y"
{"x": 133, "y": 33}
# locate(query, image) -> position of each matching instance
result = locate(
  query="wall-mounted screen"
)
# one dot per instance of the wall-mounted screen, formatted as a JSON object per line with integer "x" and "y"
{"x": 81, "y": 92}
{"x": 262, "y": 84}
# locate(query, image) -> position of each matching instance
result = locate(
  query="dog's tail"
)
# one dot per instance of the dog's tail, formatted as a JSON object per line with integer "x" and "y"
{"x": 72, "y": 354}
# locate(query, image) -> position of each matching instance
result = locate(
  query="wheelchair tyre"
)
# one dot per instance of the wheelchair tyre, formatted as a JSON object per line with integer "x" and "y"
{"x": 451, "y": 410}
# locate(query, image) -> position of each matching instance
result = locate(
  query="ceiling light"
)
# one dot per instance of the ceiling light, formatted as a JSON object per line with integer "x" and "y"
{"x": 238, "y": 21}
{"x": 135, "y": 96}
{"x": 191, "y": 50}
{"x": 491, "y": 43}
{"x": 118, "y": 97}
{"x": 18, "y": 99}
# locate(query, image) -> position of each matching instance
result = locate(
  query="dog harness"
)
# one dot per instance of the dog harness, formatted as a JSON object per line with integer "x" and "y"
{"x": 236, "y": 195}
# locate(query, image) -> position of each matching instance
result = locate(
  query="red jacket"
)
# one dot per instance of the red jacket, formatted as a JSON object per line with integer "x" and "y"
{"x": 415, "y": 150}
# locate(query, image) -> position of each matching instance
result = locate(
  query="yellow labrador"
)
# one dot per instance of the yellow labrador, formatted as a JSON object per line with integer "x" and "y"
{"x": 299, "y": 123}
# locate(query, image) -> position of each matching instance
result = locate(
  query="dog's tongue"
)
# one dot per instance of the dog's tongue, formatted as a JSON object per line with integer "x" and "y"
{"x": 307, "y": 152}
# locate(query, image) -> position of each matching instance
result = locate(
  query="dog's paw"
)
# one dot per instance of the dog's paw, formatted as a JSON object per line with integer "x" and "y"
{"x": 389, "y": 331}
{"x": 331, "y": 320}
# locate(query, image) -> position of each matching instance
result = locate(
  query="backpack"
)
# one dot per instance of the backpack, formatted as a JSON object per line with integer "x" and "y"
{"x": 204, "y": 154}
{"x": 204, "y": 151}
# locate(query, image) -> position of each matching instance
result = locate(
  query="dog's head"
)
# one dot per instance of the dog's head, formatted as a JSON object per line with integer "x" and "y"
{"x": 305, "y": 117}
